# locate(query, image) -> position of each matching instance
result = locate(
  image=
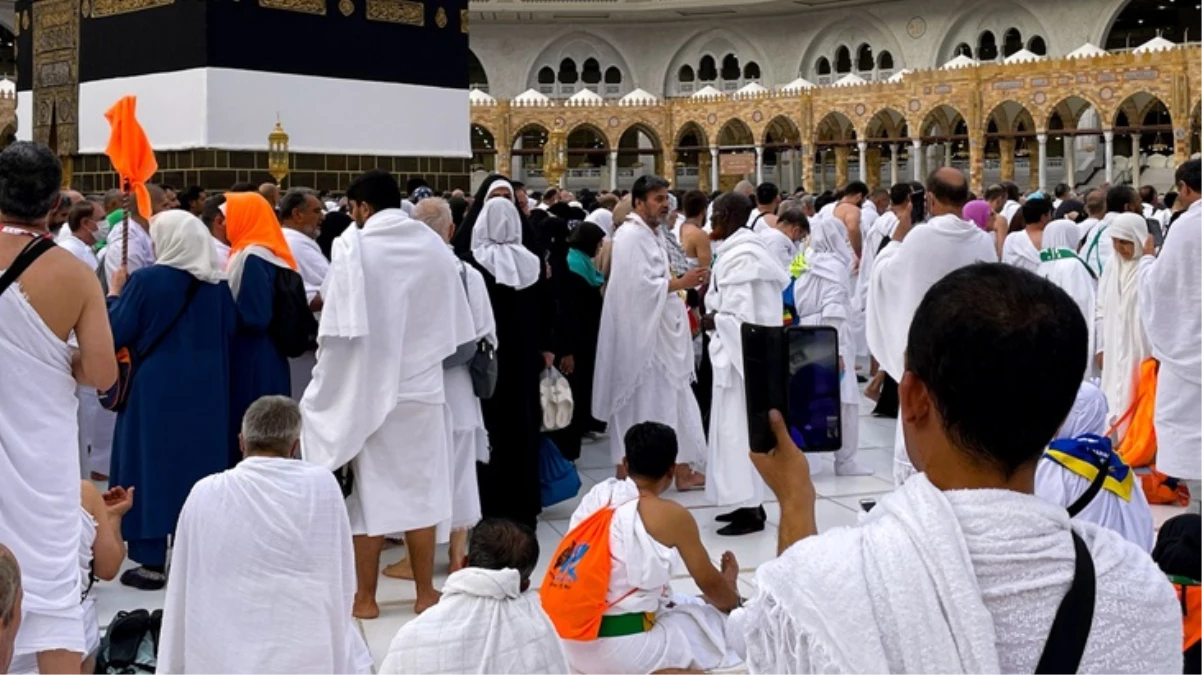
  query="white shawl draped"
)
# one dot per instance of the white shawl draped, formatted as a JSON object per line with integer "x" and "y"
{"x": 953, "y": 582}
{"x": 1072, "y": 274}
{"x": 1122, "y": 340}
{"x": 643, "y": 326}
{"x": 262, "y": 575}
{"x": 379, "y": 328}
{"x": 1170, "y": 295}
{"x": 237, "y": 264}
{"x": 497, "y": 245}
{"x": 602, "y": 218}
{"x": 484, "y": 623}
{"x": 1020, "y": 251}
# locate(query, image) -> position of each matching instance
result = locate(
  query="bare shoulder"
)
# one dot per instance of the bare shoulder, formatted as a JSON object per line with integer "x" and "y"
{"x": 666, "y": 520}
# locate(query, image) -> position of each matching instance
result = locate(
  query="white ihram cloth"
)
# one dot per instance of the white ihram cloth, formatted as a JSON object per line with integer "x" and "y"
{"x": 497, "y": 245}
{"x": 221, "y": 253}
{"x": 1097, "y": 249}
{"x": 821, "y": 298}
{"x": 901, "y": 275}
{"x": 964, "y": 581}
{"x": 484, "y": 623}
{"x": 1073, "y": 276}
{"x": 689, "y": 635}
{"x": 469, "y": 440}
{"x": 312, "y": 266}
{"x": 141, "y": 249}
{"x": 645, "y": 347}
{"x": 746, "y": 288}
{"x": 884, "y": 226}
{"x": 262, "y": 575}
{"x": 95, "y": 423}
{"x": 1009, "y": 209}
{"x": 1170, "y": 294}
{"x": 1121, "y": 340}
{"x": 39, "y": 475}
{"x": 1130, "y": 518}
{"x": 1020, "y": 251}
{"x": 377, "y": 399}
{"x": 782, "y": 248}
{"x": 602, "y": 218}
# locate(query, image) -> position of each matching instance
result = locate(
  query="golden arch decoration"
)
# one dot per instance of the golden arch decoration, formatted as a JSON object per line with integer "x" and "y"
{"x": 783, "y": 128}
{"x": 645, "y": 129}
{"x": 1008, "y": 115}
{"x": 940, "y": 120}
{"x": 834, "y": 126}
{"x": 735, "y": 132}
{"x": 886, "y": 124}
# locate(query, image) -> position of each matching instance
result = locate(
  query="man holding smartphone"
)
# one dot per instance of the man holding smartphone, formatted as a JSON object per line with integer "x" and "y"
{"x": 963, "y": 568}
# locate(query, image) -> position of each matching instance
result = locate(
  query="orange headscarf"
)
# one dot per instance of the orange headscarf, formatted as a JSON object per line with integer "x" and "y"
{"x": 250, "y": 221}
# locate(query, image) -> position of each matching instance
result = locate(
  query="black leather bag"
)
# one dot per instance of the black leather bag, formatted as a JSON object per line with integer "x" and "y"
{"x": 293, "y": 327}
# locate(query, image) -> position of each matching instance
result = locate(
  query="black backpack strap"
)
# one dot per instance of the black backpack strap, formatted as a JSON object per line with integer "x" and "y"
{"x": 1103, "y": 467}
{"x": 1070, "y": 630}
{"x": 32, "y": 251}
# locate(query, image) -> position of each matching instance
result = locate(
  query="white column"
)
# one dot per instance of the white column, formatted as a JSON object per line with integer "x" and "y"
{"x": 1108, "y": 137}
{"x": 613, "y": 170}
{"x": 1135, "y": 160}
{"x": 893, "y": 149}
{"x": 759, "y": 163}
{"x": 932, "y": 153}
{"x": 916, "y": 157}
{"x": 1070, "y": 161}
{"x": 714, "y": 168}
{"x": 947, "y": 154}
{"x": 1043, "y": 161}
{"x": 822, "y": 170}
{"x": 863, "y": 147}
{"x": 515, "y": 161}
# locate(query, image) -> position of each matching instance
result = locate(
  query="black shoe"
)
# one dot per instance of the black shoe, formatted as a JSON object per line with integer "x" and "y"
{"x": 144, "y": 579}
{"x": 742, "y": 526}
{"x": 732, "y": 516}
{"x": 727, "y": 517}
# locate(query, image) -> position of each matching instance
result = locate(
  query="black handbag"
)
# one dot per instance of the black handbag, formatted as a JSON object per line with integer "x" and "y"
{"x": 293, "y": 328}
{"x": 480, "y": 358}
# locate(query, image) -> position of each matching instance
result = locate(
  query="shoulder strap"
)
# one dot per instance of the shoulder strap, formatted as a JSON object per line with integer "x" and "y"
{"x": 1093, "y": 246}
{"x": 32, "y": 251}
{"x": 1092, "y": 491}
{"x": 1070, "y": 629}
{"x": 167, "y": 331}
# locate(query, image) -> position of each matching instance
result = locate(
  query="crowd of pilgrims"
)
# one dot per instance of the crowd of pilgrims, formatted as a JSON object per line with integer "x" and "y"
{"x": 257, "y": 325}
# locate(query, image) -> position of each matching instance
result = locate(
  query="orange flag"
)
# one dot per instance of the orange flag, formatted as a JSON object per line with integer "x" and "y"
{"x": 130, "y": 151}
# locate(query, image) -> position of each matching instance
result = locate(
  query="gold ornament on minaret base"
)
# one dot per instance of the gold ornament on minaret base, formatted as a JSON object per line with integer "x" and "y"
{"x": 555, "y": 161}
{"x": 277, "y": 152}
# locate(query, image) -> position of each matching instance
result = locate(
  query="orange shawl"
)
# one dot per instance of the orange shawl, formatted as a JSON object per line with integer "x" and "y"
{"x": 250, "y": 221}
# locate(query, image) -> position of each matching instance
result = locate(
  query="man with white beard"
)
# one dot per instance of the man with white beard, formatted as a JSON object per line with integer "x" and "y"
{"x": 916, "y": 258}
{"x": 394, "y": 431}
{"x": 644, "y": 348}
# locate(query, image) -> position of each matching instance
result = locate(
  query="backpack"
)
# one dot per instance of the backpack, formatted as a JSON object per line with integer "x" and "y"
{"x": 131, "y": 643}
{"x": 293, "y": 328}
{"x": 576, "y": 584}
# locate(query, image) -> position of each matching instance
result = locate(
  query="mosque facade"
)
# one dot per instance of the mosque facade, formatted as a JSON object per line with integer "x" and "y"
{"x": 813, "y": 94}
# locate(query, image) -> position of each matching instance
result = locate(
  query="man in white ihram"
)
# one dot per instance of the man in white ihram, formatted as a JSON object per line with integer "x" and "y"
{"x": 300, "y": 216}
{"x": 488, "y": 621}
{"x": 903, "y": 271}
{"x": 963, "y": 569}
{"x": 645, "y": 348}
{"x": 394, "y": 309}
{"x": 262, "y": 575}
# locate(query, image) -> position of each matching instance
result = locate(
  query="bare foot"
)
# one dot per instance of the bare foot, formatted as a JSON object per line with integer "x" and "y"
{"x": 425, "y": 602}
{"x": 365, "y": 609}
{"x": 730, "y": 569}
{"x": 687, "y": 479}
{"x": 399, "y": 570}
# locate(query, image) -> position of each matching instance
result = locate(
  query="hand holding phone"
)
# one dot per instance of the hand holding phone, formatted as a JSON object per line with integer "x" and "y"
{"x": 785, "y": 468}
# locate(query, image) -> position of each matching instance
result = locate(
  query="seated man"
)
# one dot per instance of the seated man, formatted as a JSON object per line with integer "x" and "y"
{"x": 485, "y": 622}
{"x": 962, "y": 569}
{"x": 669, "y": 631}
{"x": 1069, "y": 466}
{"x": 263, "y": 575}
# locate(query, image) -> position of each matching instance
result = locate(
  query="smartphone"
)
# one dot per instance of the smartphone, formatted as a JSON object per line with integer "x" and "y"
{"x": 918, "y": 203}
{"x": 794, "y": 370}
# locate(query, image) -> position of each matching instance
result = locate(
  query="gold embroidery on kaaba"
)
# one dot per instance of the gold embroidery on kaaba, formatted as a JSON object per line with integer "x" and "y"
{"x": 463, "y": 20}
{"x": 101, "y": 8}
{"x": 440, "y": 18}
{"x": 306, "y": 6}
{"x": 346, "y": 7}
{"x": 397, "y": 11}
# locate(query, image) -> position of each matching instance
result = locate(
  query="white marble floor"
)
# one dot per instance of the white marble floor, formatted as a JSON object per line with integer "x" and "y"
{"x": 838, "y": 504}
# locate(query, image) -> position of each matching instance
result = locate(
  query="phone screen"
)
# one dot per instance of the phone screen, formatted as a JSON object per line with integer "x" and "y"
{"x": 794, "y": 370}
{"x": 815, "y": 410}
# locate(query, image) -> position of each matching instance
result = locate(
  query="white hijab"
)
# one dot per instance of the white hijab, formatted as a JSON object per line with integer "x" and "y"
{"x": 183, "y": 242}
{"x": 829, "y": 256}
{"x": 497, "y": 244}
{"x": 1062, "y": 233}
{"x": 602, "y": 218}
{"x": 1088, "y": 415}
{"x": 1123, "y": 340}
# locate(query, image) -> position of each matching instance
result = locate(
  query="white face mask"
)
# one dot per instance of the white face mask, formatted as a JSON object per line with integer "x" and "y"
{"x": 102, "y": 230}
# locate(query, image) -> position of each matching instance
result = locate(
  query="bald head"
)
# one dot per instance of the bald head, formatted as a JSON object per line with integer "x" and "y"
{"x": 745, "y": 188}
{"x": 1095, "y": 203}
{"x": 158, "y": 204}
{"x": 270, "y": 192}
{"x": 437, "y": 214}
{"x": 949, "y": 188}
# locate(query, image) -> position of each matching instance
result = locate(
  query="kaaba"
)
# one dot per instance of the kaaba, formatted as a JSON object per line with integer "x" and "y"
{"x": 357, "y": 85}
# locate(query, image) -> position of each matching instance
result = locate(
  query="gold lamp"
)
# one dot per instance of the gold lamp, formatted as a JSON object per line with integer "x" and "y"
{"x": 277, "y": 152}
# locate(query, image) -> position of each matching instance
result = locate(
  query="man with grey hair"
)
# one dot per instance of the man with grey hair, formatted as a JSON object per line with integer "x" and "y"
{"x": 469, "y": 440}
{"x": 300, "y": 215}
{"x": 807, "y": 205}
{"x": 487, "y": 620}
{"x": 10, "y": 605}
{"x": 263, "y": 574}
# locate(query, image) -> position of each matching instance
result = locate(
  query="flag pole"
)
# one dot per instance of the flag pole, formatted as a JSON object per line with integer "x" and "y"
{"x": 125, "y": 225}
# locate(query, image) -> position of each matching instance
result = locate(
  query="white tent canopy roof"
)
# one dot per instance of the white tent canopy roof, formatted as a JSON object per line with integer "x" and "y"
{"x": 638, "y": 97}
{"x": 531, "y": 97}
{"x": 585, "y": 97}
{"x": 478, "y": 97}
{"x": 1086, "y": 50}
{"x": 797, "y": 85}
{"x": 708, "y": 91}
{"x": 1156, "y": 44}
{"x": 961, "y": 61}
{"x": 1023, "y": 56}
{"x": 850, "y": 80}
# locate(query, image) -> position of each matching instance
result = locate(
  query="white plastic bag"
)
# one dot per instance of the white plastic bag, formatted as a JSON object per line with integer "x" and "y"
{"x": 555, "y": 394}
